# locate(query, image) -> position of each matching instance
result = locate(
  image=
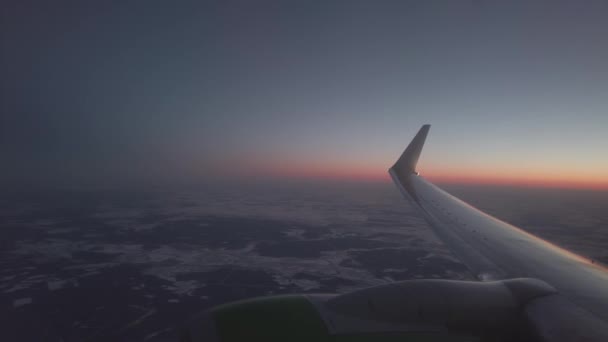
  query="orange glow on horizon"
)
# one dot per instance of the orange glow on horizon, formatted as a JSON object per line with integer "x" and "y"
{"x": 329, "y": 172}
{"x": 519, "y": 181}
{"x": 526, "y": 177}
{"x": 358, "y": 172}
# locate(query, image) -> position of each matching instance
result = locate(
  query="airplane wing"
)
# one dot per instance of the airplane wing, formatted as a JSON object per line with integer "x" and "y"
{"x": 493, "y": 249}
{"x": 528, "y": 289}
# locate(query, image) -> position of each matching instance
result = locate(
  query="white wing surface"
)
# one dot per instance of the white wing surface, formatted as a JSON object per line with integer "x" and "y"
{"x": 493, "y": 249}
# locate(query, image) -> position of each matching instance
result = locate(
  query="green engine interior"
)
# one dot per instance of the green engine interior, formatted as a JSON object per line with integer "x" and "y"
{"x": 294, "y": 318}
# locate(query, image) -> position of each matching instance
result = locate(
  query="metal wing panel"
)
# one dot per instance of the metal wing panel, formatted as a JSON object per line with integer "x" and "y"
{"x": 494, "y": 249}
{"x": 482, "y": 267}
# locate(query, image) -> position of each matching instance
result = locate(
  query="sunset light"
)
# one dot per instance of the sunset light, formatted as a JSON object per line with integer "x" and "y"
{"x": 267, "y": 171}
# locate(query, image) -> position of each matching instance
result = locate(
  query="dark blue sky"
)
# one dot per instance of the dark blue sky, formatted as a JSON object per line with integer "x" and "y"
{"x": 154, "y": 90}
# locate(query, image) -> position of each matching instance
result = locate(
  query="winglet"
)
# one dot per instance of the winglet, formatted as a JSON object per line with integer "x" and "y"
{"x": 406, "y": 164}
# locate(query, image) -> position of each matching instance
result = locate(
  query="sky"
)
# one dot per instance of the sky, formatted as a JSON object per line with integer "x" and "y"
{"x": 121, "y": 92}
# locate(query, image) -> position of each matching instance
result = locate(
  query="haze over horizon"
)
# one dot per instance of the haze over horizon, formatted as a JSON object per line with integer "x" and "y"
{"x": 153, "y": 92}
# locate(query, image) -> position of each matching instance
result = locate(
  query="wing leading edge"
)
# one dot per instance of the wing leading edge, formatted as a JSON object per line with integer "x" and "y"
{"x": 493, "y": 249}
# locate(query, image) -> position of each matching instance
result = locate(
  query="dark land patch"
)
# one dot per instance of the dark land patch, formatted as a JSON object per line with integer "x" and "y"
{"x": 401, "y": 263}
{"x": 313, "y": 248}
{"x": 328, "y": 284}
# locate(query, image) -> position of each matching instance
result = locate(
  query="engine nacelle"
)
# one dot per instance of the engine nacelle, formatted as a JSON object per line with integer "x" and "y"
{"x": 416, "y": 310}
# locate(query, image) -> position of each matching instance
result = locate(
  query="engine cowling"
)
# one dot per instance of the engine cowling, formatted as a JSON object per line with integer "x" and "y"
{"x": 417, "y": 310}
